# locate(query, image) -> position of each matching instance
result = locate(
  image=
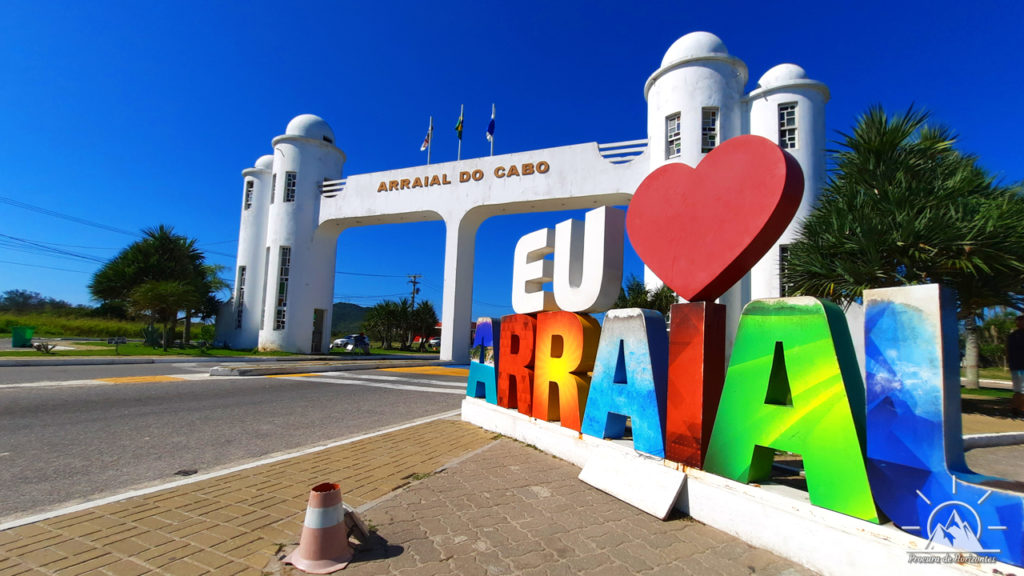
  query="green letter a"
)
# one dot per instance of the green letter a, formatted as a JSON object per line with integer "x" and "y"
{"x": 793, "y": 385}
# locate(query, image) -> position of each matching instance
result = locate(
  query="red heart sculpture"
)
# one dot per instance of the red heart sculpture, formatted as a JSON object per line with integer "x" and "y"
{"x": 701, "y": 229}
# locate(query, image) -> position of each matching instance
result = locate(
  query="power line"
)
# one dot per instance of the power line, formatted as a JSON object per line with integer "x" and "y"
{"x": 47, "y": 267}
{"x": 55, "y": 214}
{"x": 84, "y": 222}
{"x": 373, "y": 275}
{"x": 42, "y": 248}
{"x": 374, "y": 296}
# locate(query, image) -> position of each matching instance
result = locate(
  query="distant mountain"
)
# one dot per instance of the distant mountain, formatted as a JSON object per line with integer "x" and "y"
{"x": 347, "y": 318}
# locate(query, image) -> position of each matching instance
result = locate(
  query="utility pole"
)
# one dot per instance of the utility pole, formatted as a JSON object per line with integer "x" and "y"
{"x": 414, "y": 279}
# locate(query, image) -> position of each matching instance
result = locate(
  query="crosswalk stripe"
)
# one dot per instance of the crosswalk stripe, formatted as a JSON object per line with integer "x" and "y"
{"x": 400, "y": 379}
{"x": 139, "y": 379}
{"x": 108, "y": 381}
{"x": 432, "y": 370}
{"x": 352, "y": 382}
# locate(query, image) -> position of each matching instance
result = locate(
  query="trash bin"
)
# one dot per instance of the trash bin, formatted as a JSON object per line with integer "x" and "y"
{"x": 21, "y": 336}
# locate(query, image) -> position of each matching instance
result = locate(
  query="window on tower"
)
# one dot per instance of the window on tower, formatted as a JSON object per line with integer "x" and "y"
{"x": 708, "y": 129}
{"x": 284, "y": 270}
{"x": 784, "y": 288}
{"x": 289, "y": 186}
{"x": 673, "y": 138}
{"x": 273, "y": 186}
{"x": 240, "y": 299}
{"x": 248, "y": 194}
{"x": 787, "y": 125}
{"x": 263, "y": 293}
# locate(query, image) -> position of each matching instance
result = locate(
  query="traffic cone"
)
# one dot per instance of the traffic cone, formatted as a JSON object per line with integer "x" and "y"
{"x": 323, "y": 545}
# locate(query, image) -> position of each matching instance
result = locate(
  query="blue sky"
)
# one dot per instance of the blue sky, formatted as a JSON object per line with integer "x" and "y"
{"x": 129, "y": 115}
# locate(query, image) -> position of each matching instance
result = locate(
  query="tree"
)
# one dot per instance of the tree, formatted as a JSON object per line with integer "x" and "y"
{"x": 382, "y": 321}
{"x": 389, "y": 321}
{"x": 902, "y": 206}
{"x": 161, "y": 300}
{"x": 635, "y": 294}
{"x": 423, "y": 321}
{"x": 155, "y": 266}
{"x": 26, "y": 301}
{"x": 992, "y": 337}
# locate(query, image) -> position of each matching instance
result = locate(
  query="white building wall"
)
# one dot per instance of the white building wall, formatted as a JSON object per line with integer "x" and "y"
{"x": 305, "y": 151}
{"x": 252, "y": 233}
{"x": 784, "y": 84}
{"x": 697, "y": 72}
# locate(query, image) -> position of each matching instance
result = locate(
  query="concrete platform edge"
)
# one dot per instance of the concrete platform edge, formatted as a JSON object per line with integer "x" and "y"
{"x": 275, "y": 370}
{"x": 776, "y": 518}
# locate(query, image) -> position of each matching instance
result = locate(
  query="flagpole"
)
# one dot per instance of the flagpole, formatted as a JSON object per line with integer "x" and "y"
{"x": 430, "y": 138}
{"x": 462, "y": 108}
{"x": 492, "y": 134}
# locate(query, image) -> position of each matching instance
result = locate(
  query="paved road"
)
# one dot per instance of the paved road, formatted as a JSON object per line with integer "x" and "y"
{"x": 74, "y": 437}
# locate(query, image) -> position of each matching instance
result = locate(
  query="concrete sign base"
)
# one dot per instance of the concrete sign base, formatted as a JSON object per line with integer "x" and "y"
{"x": 777, "y": 518}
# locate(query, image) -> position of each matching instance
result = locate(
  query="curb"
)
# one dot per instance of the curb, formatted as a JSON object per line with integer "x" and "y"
{"x": 265, "y": 370}
{"x": 23, "y": 361}
{"x": 972, "y": 441}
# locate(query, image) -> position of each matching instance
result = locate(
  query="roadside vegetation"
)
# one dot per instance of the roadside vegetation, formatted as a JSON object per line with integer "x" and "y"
{"x": 903, "y": 206}
{"x": 53, "y": 325}
{"x": 136, "y": 349}
{"x": 398, "y": 323}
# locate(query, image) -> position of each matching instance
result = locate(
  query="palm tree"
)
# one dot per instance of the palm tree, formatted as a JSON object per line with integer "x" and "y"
{"x": 423, "y": 320}
{"x": 162, "y": 260}
{"x": 635, "y": 294}
{"x": 903, "y": 207}
{"x": 161, "y": 300}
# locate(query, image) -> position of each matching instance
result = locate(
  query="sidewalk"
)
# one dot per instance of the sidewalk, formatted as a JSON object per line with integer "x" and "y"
{"x": 496, "y": 507}
{"x": 506, "y": 509}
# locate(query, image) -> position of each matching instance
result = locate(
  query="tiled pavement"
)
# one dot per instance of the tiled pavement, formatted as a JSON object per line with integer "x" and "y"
{"x": 231, "y": 524}
{"x": 501, "y": 508}
{"x": 511, "y": 509}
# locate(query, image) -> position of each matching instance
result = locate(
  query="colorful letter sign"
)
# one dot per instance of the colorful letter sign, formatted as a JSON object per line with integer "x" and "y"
{"x": 531, "y": 270}
{"x": 629, "y": 380}
{"x": 915, "y": 442}
{"x": 588, "y": 261}
{"x": 515, "y": 371}
{"x": 566, "y": 346}
{"x": 789, "y": 387}
{"x": 482, "y": 381}
{"x": 696, "y": 373}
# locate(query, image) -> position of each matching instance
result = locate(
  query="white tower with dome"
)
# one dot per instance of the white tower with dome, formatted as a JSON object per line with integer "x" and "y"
{"x": 696, "y": 101}
{"x": 295, "y": 203}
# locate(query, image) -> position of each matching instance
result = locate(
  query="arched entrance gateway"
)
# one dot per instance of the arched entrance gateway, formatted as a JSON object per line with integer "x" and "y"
{"x": 296, "y": 202}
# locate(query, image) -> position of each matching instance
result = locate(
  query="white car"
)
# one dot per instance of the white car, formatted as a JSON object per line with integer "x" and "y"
{"x": 344, "y": 342}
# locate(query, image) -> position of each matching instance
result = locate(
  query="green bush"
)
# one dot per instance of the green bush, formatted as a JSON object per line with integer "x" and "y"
{"x": 55, "y": 326}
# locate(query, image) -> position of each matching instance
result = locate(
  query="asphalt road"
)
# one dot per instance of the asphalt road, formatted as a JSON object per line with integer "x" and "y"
{"x": 74, "y": 438}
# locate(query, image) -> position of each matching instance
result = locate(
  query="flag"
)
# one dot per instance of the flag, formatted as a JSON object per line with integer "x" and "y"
{"x": 490, "y": 127}
{"x": 426, "y": 141}
{"x": 458, "y": 127}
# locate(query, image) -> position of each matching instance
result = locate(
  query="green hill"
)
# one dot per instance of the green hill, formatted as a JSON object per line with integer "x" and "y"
{"x": 347, "y": 318}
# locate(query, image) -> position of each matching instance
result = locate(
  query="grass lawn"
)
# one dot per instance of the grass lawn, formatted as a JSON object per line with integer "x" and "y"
{"x": 990, "y": 373}
{"x": 138, "y": 349}
{"x": 992, "y": 392}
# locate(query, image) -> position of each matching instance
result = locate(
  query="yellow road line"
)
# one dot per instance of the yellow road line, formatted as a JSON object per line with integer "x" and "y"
{"x": 140, "y": 379}
{"x": 438, "y": 370}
